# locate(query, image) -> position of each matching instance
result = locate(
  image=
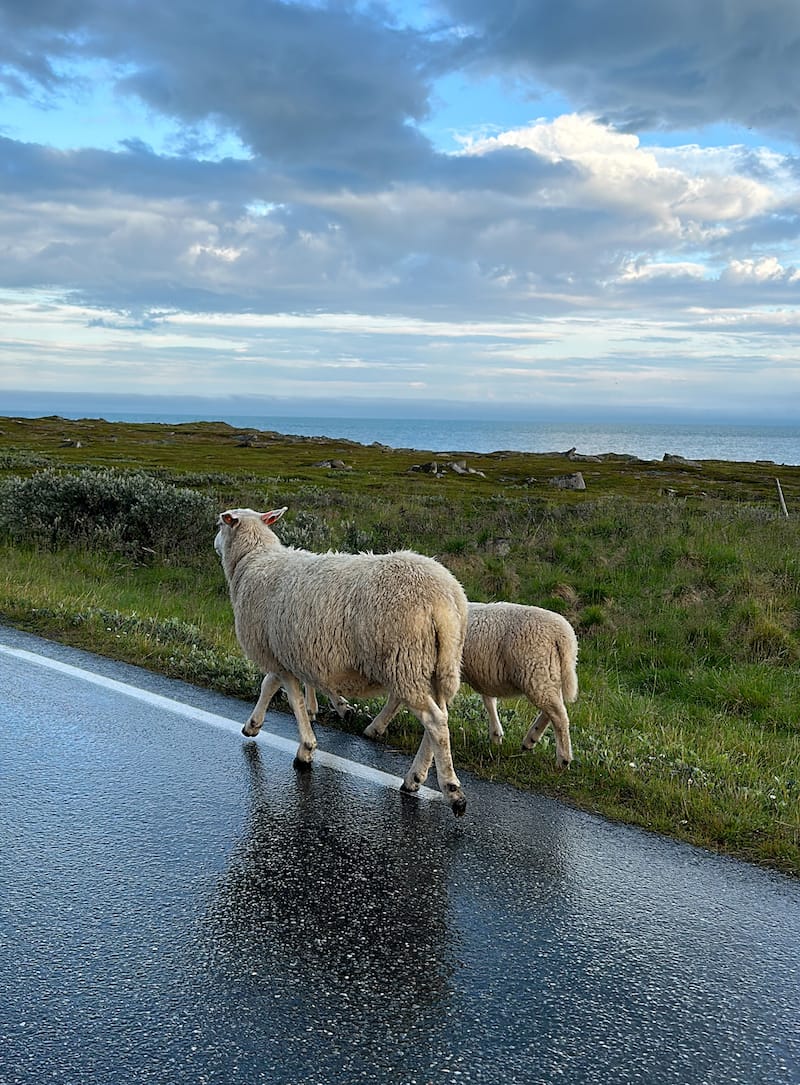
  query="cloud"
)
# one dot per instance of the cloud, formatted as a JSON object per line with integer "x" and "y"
{"x": 297, "y": 218}
{"x": 329, "y": 92}
{"x": 657, "y": 65}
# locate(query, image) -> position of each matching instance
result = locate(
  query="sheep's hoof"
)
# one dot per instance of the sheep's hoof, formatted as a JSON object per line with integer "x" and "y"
{"x": 300, "y": 765}
{"x": 368, "y": 731}
{"x": 563, "y": 763}
{"x": 409, "y": 788}
{"x": 251, "y": 729}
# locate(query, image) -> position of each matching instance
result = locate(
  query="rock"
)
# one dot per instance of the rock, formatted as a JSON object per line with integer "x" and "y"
{"x": 439, "y": 470}
{"x": 568, "y": 482}
{"x": 333, "y": 465}
{"x": 680, "y": 461}
{"x": 68, "y": 442}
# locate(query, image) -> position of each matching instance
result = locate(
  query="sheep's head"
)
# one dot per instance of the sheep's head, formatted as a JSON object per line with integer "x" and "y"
{"x": 229, "y": 524}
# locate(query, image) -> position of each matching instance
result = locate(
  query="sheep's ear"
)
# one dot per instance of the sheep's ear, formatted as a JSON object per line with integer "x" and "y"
{"x": 229, "y": 519}
{"x": 273, "y": 515}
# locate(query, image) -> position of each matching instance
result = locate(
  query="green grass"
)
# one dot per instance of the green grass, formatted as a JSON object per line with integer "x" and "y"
{"x": 687, "y": 607}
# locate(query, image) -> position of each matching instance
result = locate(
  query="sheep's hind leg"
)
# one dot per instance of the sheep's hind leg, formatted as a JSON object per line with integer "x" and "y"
{"x": 308, "y": 740}
{"x": 433, "y": 718}
{"x": 555, "y": 713}
{"x": 420, "y": 767}
{"x": 269, "y": 686}
{"x": 537, "y": 729}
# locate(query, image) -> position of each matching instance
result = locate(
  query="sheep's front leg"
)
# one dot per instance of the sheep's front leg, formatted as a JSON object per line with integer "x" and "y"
{"x": 384, "y": 718}
{"x": 495, "y": 726}
{"x": 269, "y": 686}
{"x": 308, "y": 740}
{"x": 433, "y": 718}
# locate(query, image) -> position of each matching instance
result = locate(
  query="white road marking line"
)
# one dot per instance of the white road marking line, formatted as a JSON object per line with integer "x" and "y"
{"x": 285, "y": 745}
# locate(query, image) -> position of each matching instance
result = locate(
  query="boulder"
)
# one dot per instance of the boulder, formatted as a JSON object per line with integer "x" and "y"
{"x": 568, "y": 482}
{"x": 680, "y": 461}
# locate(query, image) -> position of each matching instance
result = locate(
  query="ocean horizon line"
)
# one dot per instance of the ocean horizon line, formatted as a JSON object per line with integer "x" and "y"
{"x": 777, "y": 443}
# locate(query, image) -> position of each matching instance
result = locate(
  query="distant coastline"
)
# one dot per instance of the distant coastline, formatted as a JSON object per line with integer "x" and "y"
{"x": 778, "y": 443}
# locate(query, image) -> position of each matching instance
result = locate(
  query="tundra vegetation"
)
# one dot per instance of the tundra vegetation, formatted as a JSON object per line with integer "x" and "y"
{"x": 681, "y": 580}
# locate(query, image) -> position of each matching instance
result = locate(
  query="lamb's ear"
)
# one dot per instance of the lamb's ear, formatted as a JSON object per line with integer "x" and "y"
{"x": 229, "y": 519}
{"x": 273, "y": 515}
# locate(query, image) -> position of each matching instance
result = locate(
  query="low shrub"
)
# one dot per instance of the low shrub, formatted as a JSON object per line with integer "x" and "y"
{"x": 129, "y": 512}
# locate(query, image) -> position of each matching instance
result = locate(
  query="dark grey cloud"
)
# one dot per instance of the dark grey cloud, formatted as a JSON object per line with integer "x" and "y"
{"x": 334, "y": 91}
{"x": 660, "y": 64}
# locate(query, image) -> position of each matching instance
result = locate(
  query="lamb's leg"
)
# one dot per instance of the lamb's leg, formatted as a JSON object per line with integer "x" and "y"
{"x": 433, "y": 718}
{"x": 495, "y": 726}
{"x": 308, "y": 740}
{"x": 384, "y": 717}
{"x": 342, "y": 706}
{"x": 537, "y": 729}
{"x": 269, "y": 686}
{"x": 557, "y": 714}
{"x": 312, "y": 705}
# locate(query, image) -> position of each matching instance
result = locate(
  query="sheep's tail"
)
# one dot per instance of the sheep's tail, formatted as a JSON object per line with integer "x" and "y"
{"x": 449, "y": 628}
{"x": 567, "y": 648}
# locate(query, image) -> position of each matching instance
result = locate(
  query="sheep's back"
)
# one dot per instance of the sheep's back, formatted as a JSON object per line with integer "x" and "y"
{"x": 510, "y": 649}
{"x": 353, "y": 623}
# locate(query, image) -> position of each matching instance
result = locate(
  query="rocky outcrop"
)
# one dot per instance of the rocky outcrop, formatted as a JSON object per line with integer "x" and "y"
{"x": 439, "y": 469}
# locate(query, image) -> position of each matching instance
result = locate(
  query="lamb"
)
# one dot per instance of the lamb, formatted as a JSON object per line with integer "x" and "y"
{"x": 355, "y": 623}
{"x": 513, "y": 650}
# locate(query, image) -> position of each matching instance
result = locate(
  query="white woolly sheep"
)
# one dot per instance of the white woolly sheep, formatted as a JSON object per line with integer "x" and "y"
{"x": 513, "y": 650}
{"x": 355, "y": 623}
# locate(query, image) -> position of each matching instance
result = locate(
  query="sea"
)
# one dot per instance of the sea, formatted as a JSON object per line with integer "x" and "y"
{"x": 779, "y": 444}
{"x": 772, "y": 443}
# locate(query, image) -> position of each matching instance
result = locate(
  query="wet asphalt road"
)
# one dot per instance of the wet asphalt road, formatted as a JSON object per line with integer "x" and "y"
{"x": 178, "y": 905}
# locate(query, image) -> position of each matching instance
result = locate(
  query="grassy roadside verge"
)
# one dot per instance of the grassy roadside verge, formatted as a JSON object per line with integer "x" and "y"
{"x": 683, "y": 583}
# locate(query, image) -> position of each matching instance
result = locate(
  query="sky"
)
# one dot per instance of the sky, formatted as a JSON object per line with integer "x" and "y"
{"x": 456, "y": 206}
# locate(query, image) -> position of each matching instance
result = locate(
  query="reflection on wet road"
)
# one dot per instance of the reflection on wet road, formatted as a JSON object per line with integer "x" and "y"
{"x": 177, "y": 905}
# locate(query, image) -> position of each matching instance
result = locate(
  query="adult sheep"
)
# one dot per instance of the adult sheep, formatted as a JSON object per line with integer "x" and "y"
{"x": 513, "y": 650}
{"x": 354, "y": 623}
